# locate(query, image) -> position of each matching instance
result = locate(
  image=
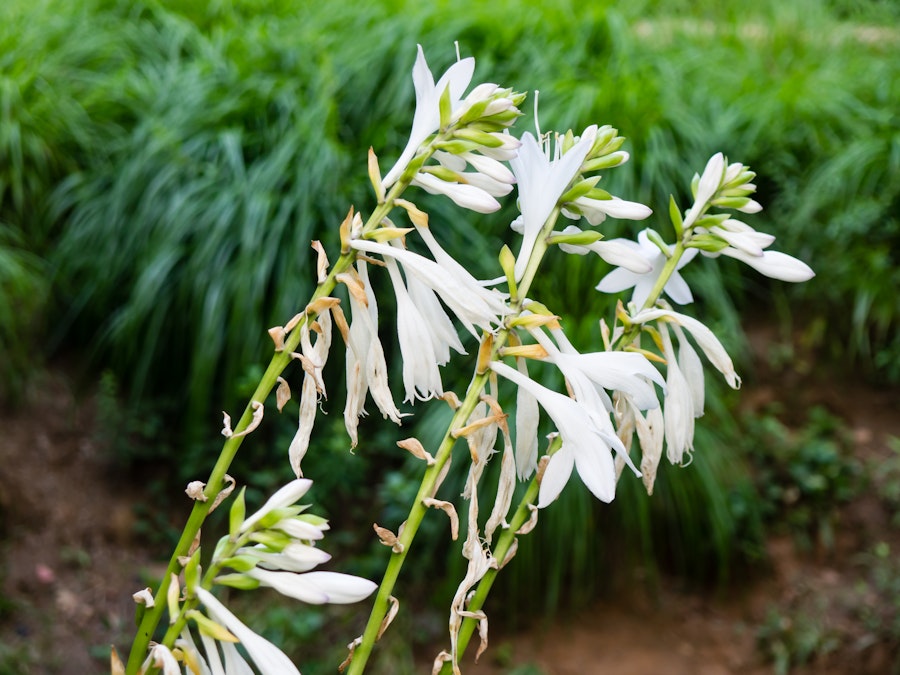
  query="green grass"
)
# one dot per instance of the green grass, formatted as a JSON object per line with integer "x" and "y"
{"x": 164, "y": 166}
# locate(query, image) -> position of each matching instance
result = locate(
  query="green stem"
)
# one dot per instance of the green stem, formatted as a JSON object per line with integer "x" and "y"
{"x": 417, "y": 511}
{"x": 216, "y": 481}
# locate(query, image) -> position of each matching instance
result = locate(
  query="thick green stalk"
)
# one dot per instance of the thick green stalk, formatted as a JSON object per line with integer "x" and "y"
{"x": 417, "y": 510}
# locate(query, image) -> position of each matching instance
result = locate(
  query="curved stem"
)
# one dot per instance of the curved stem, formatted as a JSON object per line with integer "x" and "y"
{"x": 215, "y": 483}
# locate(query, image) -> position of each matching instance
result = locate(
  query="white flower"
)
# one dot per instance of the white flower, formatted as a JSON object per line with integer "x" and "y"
{"x": 472, "y": 304}
{"x": 301, "y": 529}
{"x": 467, "y": 195}
{"x": 774, "y": 264}
{"x": 268, "y": 658}
{"x": 427, "y": 117}
{"x": 707, "y": 186}
{"x": 316, "y": 588}
{"x": 679, "y": 406}
{"x": 585, "y": 447}
{"x": 542, "y": 182}
{"x": 421, "y": 377}
{"x": 621, "y": 278}
{"x": 365, "y": 362}
{"x": 527, "y": 418}
{"x": 705, "y": 338}
{"x": 614, "y": 252}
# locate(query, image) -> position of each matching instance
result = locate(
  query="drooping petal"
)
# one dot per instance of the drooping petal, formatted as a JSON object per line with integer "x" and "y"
{"x": 774, "y": 264}
{"x": 268, "y": 658}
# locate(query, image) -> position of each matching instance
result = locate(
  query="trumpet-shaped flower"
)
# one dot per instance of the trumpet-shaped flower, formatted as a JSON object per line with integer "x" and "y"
{"x": 421, "y": 377}
{"x": 622, "y": 278}
{"x": 366, "y": 365}
{"x": 585, "y": 446}
{"x": 427, "y": 117}
{"x": 542, "y": 181}
{"x": 472, "y": 303}
{"x": 614, "y": 252}
{"x": 285, "y": 496}
{"x": 268, "y": 658}
{"x": 596, "y": 210}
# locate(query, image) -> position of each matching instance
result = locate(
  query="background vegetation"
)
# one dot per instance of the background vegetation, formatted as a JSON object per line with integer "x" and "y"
{"x": 164, "y": 166}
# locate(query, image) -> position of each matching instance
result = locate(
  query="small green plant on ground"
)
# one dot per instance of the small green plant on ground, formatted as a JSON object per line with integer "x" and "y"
{"x": 803, "y": 476}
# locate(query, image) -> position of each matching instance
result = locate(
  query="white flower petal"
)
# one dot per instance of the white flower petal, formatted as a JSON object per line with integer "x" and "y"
{"x": 774, "y": 265}
{"x": 316, "y": 588}
{"x": 268, "y": 658}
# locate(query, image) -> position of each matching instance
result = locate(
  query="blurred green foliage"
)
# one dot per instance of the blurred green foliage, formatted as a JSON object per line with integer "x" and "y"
{"x": 164, "y": 166}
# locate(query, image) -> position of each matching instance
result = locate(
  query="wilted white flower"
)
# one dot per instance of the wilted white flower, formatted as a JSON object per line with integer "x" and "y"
{"x": 421, "y": 377}
{"x": 621, "y": 278}
{"x": 365, "y": 363}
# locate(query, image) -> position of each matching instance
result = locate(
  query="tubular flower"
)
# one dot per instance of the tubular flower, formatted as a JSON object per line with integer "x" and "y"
{"x": 268, "y": 658}
{"x": 585, "y": 446}
{"x": 542, "y": 181}
{"x": 622, "y": 277}
{"x": 427, "y": 117}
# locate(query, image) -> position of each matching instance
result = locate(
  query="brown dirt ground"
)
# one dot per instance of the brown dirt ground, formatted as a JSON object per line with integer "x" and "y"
{"x": 69, "y": 560}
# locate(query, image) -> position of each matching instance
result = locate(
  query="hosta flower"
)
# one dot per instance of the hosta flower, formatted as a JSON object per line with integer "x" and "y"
{"x": 614, "y": 252}
{"x": 542, "y": 181}
{"x": 472, "y": 303}
{"x": 365, "y": 363}
{"x": 705, "y": 338}
{"x": 748, "y": 246}
{"x": 585, "y": 447}
{"x": 595, "y": 211}
{"x": 421, "y": 377}
{"x": 622, "y": 278}
{"x": 285, "y": 496}
{"x": 427, "y": 117}
{"x": 295, "y": 557}
{"x": 268, "y": 658}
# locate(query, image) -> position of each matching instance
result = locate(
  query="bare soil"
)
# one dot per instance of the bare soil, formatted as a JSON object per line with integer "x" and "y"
{"x": 70, "y": 559}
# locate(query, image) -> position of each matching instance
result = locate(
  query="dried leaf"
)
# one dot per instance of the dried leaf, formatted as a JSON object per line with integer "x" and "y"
{"x": 277, "y": 334}
{"x": 144, "y": 597}
{"x": 258, "y": 412}
{"x": 194, "y": 490}
{"x": 116, "y": 667}
{"x": 389, "y": 617}
{"x": 282, "y": 393}
{"x": 416, "y": 449}
{"x": 321, "y": 261}
{"x": 450, "y": 510}
{"x": 530, "y": 524}
{"x": 223, "y": 494}
{"x": 511, "y": 553}
{"x": 388, "y": 538}
{"x": 345, "y": 231}
{"x": 352, "y": 647}
{"x": 451, "y": 399}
